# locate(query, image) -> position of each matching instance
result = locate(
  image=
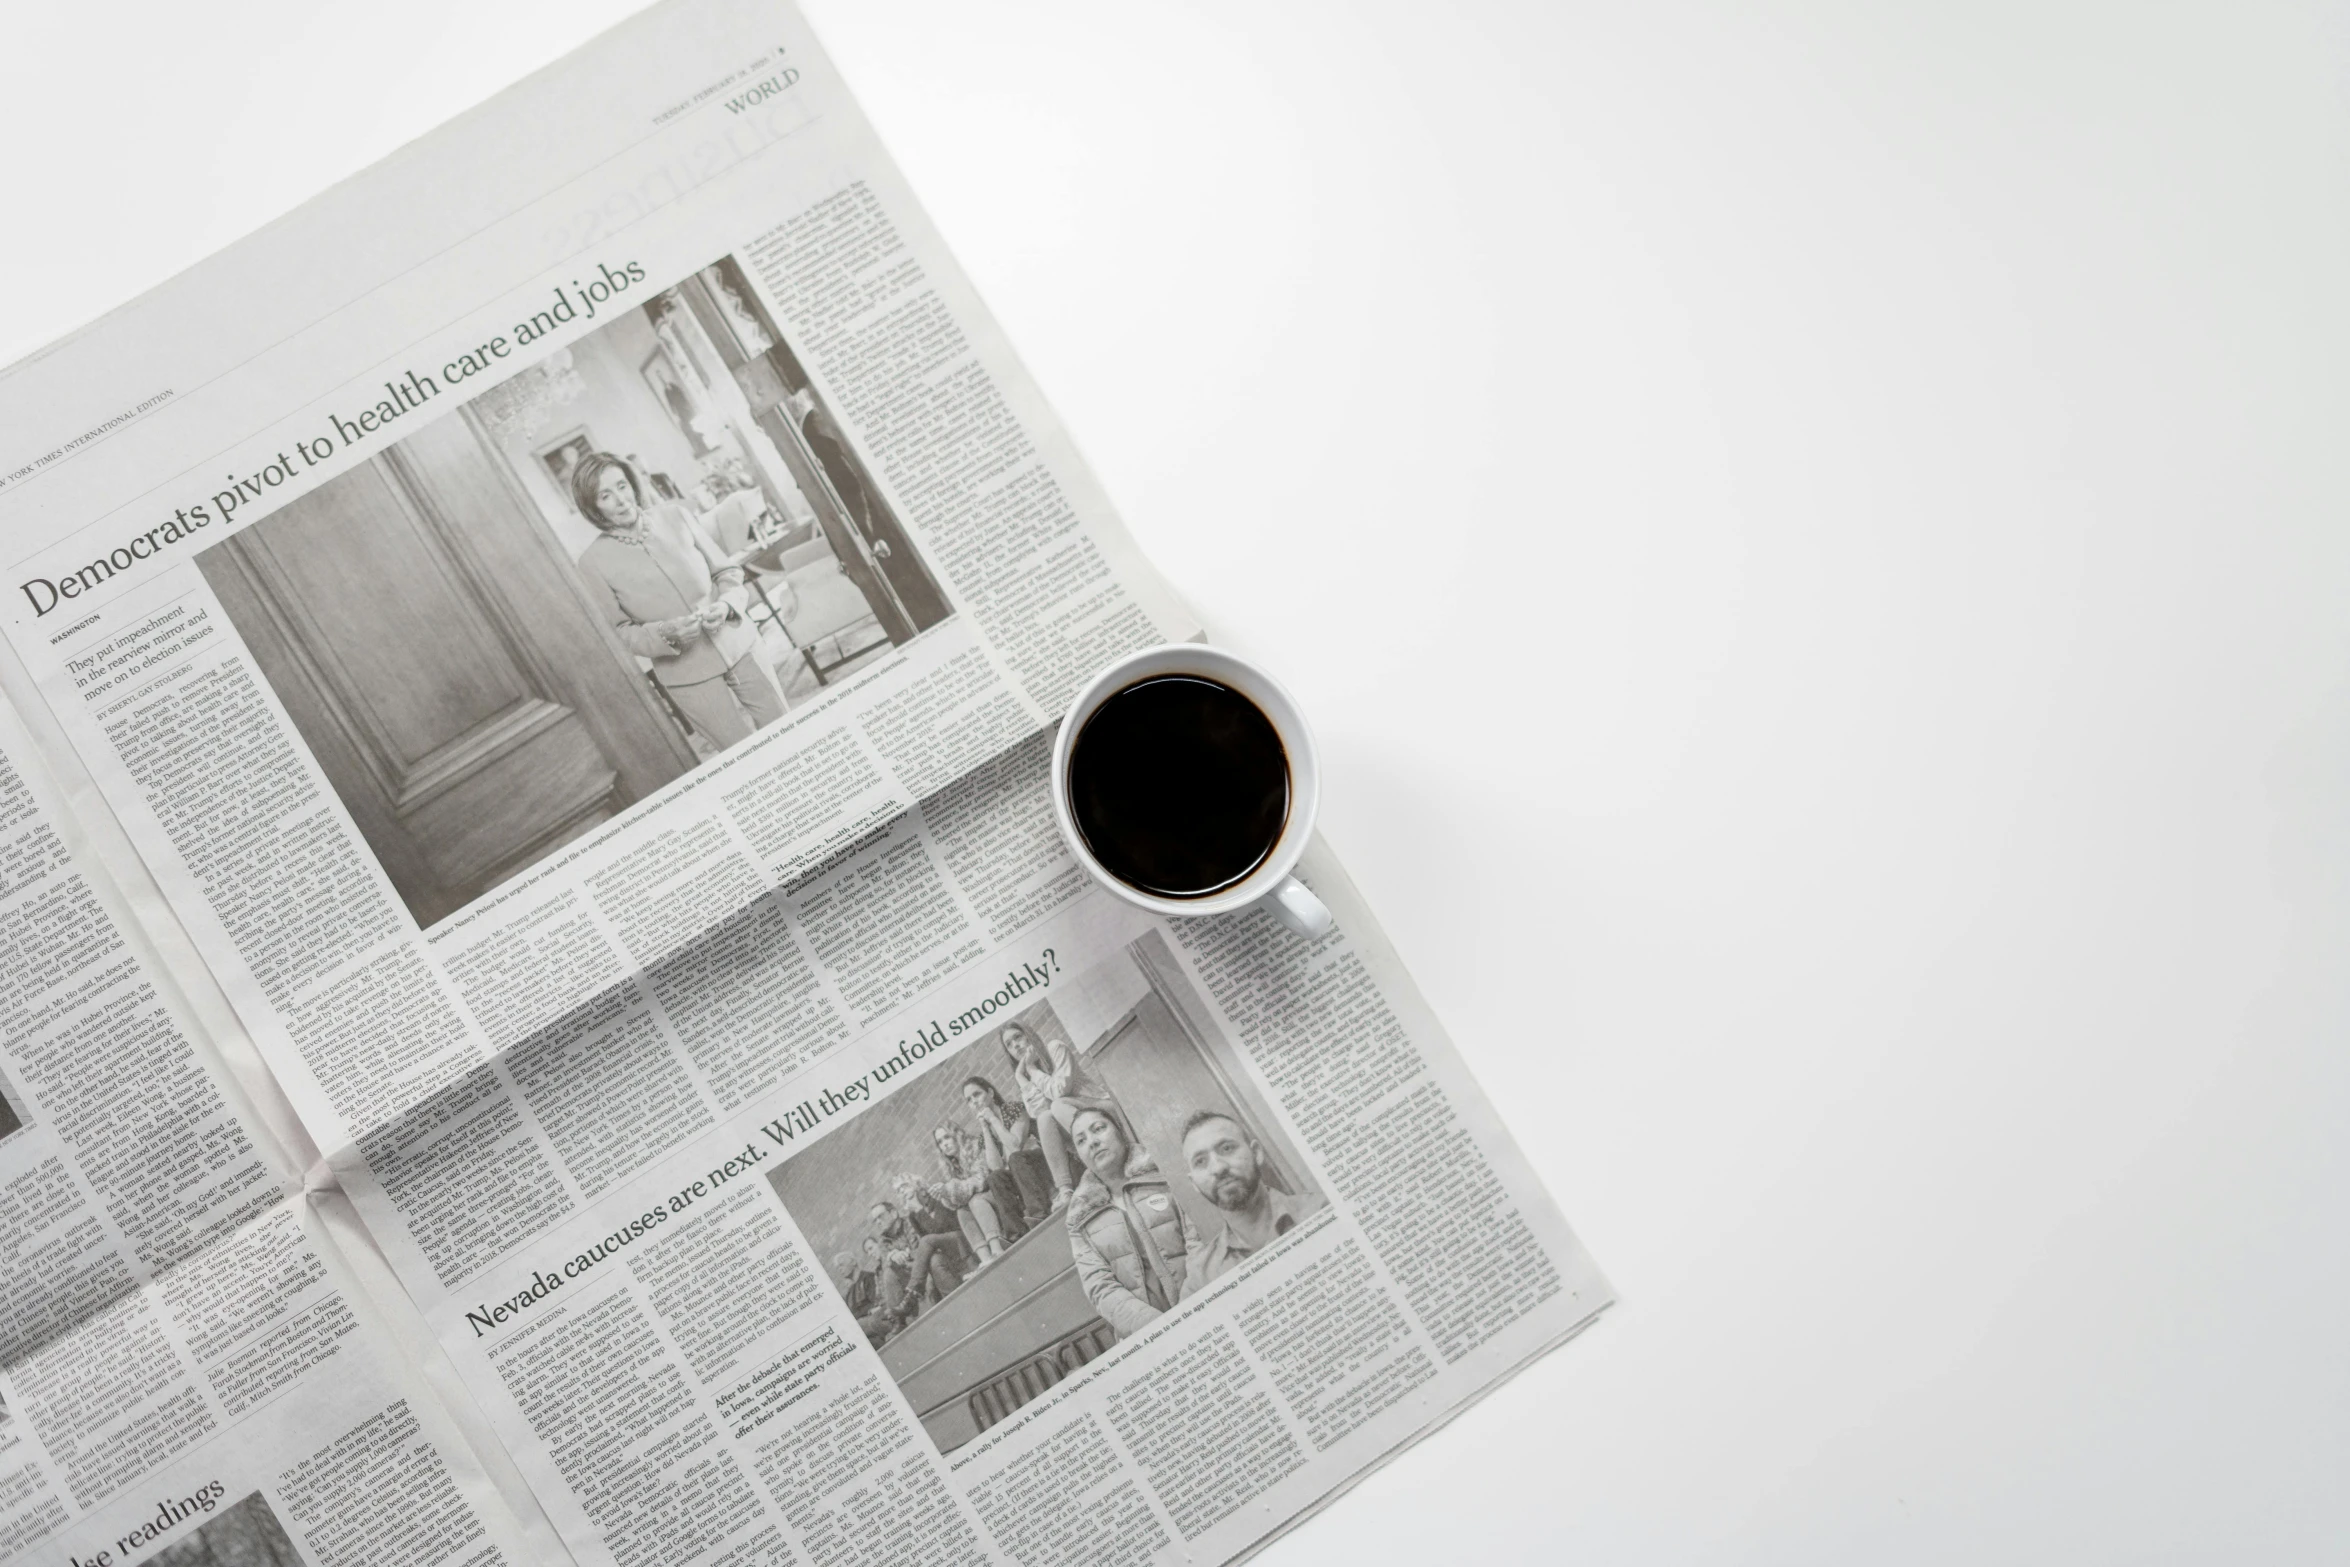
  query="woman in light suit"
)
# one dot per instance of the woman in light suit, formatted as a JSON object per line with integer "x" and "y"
{"x": 672, "y": 598}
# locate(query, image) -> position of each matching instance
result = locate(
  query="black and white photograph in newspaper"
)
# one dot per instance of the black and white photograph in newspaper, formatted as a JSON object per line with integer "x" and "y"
{"x": 11, "y": 1118}
{"x": 1048, "y": 1188}
{"x": 245, "y": 1535}
{"x": 547, "y": 601}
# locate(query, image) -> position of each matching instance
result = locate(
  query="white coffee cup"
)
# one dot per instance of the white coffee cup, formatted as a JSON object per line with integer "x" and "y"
{"x": 1271, "y": 883}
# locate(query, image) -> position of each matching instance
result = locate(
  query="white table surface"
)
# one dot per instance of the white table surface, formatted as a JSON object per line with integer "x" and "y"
{"x": 1815, "y": 540}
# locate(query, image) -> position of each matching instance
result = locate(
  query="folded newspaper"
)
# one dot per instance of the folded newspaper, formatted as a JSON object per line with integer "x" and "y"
{"x": 546, "y": 1016}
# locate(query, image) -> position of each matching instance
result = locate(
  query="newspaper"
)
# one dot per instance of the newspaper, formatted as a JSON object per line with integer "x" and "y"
{"x": 566, "y": 629}
{"x": 189, "y": 1353}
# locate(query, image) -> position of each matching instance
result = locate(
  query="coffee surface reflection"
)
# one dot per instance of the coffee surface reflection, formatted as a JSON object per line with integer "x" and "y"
{"x": 1179, "y": 786}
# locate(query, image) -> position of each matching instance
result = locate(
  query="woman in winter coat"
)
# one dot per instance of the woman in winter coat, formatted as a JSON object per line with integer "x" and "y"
{"x": 1054, "y": 1085}
{"x": 1129, "y": 1237}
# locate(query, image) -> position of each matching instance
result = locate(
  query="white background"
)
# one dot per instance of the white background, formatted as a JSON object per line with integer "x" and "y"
{"x": 1816, "y": 541}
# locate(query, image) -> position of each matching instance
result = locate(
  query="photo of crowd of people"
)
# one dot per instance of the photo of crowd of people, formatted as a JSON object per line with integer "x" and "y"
{"x": 1048, "y": 1189}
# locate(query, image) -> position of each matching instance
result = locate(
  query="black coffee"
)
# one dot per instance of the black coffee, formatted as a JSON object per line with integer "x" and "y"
{"x": 1179, "y": 786}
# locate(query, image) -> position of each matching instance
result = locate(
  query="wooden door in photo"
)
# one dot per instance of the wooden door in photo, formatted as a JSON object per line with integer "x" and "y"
{"x": 438, "y": 653}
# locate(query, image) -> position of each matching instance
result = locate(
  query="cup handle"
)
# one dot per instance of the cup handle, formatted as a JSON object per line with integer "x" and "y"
{"x": 1293, "y": 903}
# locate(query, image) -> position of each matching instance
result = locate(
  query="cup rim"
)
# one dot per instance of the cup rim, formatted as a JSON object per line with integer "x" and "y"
{"x": 1305, "y": 778}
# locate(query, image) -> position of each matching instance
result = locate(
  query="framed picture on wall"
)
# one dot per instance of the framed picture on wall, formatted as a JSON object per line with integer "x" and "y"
{"x": 563, "y": 454}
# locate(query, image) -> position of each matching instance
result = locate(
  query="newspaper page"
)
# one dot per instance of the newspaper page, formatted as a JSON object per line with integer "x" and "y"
{"x": 572, "y": 621}
{"x": 189, "y": 1370}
